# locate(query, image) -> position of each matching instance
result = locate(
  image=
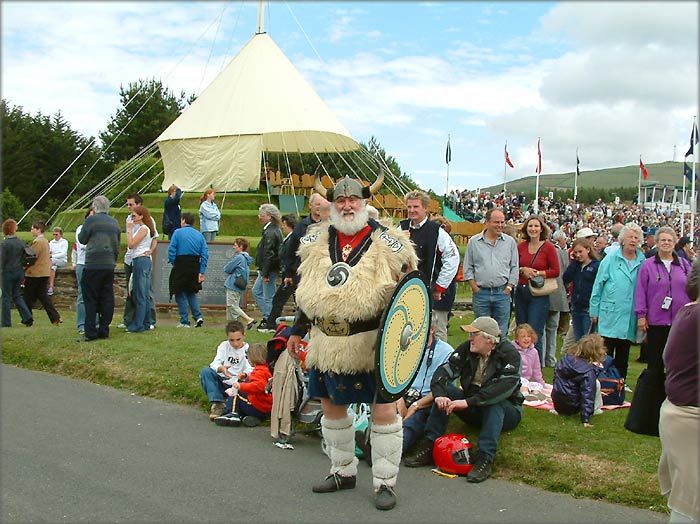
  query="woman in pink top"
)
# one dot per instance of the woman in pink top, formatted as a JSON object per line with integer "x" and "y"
{"x": 537, "y": 257}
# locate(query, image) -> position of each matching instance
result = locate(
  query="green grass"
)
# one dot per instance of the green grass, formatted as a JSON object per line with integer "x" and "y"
{"x": 552, "y": 452}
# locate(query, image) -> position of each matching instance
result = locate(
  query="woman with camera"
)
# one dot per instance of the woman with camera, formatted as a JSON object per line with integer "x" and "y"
{"x": 538, "y": 259}
{"x": 659, "y": 295}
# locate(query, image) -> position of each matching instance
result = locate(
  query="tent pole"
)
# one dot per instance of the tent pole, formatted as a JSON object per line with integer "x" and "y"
{"x": 261, "y": 18}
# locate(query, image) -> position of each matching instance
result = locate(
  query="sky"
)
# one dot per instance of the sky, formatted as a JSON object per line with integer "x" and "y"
{"x": 613, "y": 80}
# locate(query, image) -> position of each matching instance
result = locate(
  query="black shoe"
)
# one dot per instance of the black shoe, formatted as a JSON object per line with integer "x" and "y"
{"x": 482, "y": 468}
{"x": 229, "y": 419}
{"x": 333, "y": 483}
{"x": 198, "y": 322}
{"x": 250, "y": 325}
{"x": 251, "y": 421}
{"x": 385, "y": 498}
{"x": 422, "y": 457}
{"x": 364, "y": 445}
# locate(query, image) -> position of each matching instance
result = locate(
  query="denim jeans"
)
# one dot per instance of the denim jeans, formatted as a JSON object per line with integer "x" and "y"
{"x": 532, "y": 310}
{"x": 209, "y": 236}
{"x": 11, "y": 282}
{"x": 550, "y": 339}
{"x": 414, "y": 428}
{"x": 80, "y": 301}
{"x": 492, "y": 420}
{"x": 581, "y": 320}
{"x": 494, "y": 303}
{"x": 140, "y": 293}
{"x": 264, "y": 292}
{"x": 130, "y": 306}
{"x": 183, "y": 301}
{"x": 212, "y": 384}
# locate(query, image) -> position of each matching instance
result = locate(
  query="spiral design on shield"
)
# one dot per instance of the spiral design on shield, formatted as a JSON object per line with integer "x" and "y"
{"x": 338, "y": 274}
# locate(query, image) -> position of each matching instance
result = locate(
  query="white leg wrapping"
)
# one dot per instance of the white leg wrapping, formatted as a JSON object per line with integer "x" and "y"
{"x": 386, "y": 452}
{"x": 339, "y": 435}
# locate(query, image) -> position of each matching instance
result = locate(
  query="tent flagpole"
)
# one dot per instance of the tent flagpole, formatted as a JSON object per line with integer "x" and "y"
{"x": 576, "y": 178}
{"x": 683, "y": 201}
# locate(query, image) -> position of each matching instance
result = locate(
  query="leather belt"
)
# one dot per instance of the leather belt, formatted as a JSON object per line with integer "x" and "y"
{"x": 333, "y": 326}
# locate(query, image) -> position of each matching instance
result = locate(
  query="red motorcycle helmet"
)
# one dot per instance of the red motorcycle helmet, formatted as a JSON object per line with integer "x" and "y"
{"x": 451, "y": 454}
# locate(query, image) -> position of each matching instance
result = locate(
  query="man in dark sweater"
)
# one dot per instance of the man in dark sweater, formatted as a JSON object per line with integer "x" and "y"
{"x": 100, "y": 235}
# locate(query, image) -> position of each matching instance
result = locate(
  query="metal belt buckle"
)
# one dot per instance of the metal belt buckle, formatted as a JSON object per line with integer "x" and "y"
{"x": 332, "y": 326}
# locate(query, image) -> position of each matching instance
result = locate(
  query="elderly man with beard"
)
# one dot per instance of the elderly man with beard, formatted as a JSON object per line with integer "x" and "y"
{"x": 349, "y": 269}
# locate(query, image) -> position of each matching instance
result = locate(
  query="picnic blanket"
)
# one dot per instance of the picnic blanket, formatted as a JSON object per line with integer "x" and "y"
{"x": 548, "y": 405}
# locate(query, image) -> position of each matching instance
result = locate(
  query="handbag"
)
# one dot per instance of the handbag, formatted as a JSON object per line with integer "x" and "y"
{"x": 240, "y": 282}
{"x": 540, "y": 286}
{"x": 649, "y": 394}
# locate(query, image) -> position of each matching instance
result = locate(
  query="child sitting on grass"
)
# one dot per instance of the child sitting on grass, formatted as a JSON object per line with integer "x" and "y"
{"x": 229, "y": 364}
{"x": 532, "y": 382}
{"x": 575, "y": 384}
{"x": 250, "y": 400}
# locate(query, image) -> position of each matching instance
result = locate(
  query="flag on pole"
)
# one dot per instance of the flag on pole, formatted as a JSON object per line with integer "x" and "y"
{"x": 578, "y": 173}
{"x": 448, "y": 152}
{"x": 645, "y": 172}
{"x": 507, "y": 157}
{"x": 538, "y": 169}
{"x": 693, "y": 140}
{"x": 687, "y": 171}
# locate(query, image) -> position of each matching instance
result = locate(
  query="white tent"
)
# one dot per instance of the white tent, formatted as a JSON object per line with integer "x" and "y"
{"x": 259, "y": 102}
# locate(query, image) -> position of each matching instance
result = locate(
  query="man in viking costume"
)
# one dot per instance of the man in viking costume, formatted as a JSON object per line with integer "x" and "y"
{"x": 349, "y": 269}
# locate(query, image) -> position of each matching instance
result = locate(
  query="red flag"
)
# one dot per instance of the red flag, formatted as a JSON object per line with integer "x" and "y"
{"x": 505, "y": 148}
{"x": 538, "y": 169}
{"x": 645, "y": 172}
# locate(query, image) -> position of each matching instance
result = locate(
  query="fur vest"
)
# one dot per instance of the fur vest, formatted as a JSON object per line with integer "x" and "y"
{"x": 363, "y": 296}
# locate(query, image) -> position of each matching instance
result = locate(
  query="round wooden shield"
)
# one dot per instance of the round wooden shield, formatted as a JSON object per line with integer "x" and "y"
{"x": 403, "y": 336}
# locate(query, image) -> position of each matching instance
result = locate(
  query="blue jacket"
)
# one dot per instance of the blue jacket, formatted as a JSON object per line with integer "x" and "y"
{"x": 188, "y": 241}
{"x": 209, "y": 216}
{"x": 238, "y": 266}
{"x": 172, "y": 212}
{"x": 583, "y": 279}
{"x": 612, "y": 299}
{"x": 574, "y": 385}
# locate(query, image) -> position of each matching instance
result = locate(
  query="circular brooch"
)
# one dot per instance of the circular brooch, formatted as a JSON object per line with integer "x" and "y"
{"x": 338, "y": 274}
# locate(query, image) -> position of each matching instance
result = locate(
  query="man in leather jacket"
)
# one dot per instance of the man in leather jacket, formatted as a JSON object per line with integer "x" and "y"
{"x": 488, "y": 371}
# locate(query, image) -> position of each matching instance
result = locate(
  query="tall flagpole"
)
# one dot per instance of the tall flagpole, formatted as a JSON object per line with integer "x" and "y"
{"x": 576, "y": 178}
{"x": 448, "y": 158}
{"x": 505, "y": 166}
{"x": 537, "y": 184}
{"x": 683, "y": 198}
{"x": 639, "y": 185}
{"x": 693, "y": 198}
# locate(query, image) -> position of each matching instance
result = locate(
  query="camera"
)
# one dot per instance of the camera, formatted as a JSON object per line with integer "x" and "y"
{"x": 411, "y": 396}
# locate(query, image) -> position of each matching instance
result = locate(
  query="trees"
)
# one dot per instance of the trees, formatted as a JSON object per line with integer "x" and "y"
{"x": 37, "y": 149}
{"x": 147, "y": 109}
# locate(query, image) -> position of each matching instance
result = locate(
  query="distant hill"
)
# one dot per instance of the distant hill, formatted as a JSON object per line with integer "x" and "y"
{"x": 667, "y": 173}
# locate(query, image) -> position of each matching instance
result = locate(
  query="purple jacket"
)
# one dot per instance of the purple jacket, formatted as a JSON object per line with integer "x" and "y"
{"x": 654, "y": 284}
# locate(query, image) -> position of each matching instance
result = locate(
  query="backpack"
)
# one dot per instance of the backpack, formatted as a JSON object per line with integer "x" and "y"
{"x": 28, "y": 257}
{"x": 612, "y": 385}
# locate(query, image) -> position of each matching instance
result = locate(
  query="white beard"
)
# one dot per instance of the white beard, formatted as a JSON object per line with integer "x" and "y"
{"x": 349, "y": 227}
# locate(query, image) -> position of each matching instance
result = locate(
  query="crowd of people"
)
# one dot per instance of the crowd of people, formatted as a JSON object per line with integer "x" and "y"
{"x": 620, "y": 276}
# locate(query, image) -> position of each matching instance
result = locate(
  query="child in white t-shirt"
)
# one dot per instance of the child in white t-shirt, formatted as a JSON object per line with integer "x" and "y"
{"x": 229, "y": 365}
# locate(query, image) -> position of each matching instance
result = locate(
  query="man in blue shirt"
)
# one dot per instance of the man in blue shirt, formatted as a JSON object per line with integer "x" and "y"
{"x": 188, "y": 254}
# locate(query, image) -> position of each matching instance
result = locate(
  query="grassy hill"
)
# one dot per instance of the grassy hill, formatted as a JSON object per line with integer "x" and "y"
{"x": 668, "y": 173}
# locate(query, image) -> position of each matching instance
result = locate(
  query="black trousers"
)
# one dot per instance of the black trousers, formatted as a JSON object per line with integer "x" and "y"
{"x": 98, "y": 294}
{"x": 656, "y": 341}
{"x": 278, "y": 301}
{"x": 36, "y": 288}
{"x": 619, "y": 349}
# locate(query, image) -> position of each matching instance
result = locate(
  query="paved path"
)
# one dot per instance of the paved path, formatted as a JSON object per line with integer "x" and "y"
{"x": 73, "y": 451}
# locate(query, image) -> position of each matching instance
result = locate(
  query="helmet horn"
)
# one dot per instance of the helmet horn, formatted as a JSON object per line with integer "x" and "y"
{"x": 380, "y": 179}
{"x": 318, "y": 186}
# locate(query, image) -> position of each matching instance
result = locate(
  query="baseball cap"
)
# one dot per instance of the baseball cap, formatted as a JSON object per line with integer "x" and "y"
{"x": 585, "y": 232}
{"x": 485, "y": 324}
